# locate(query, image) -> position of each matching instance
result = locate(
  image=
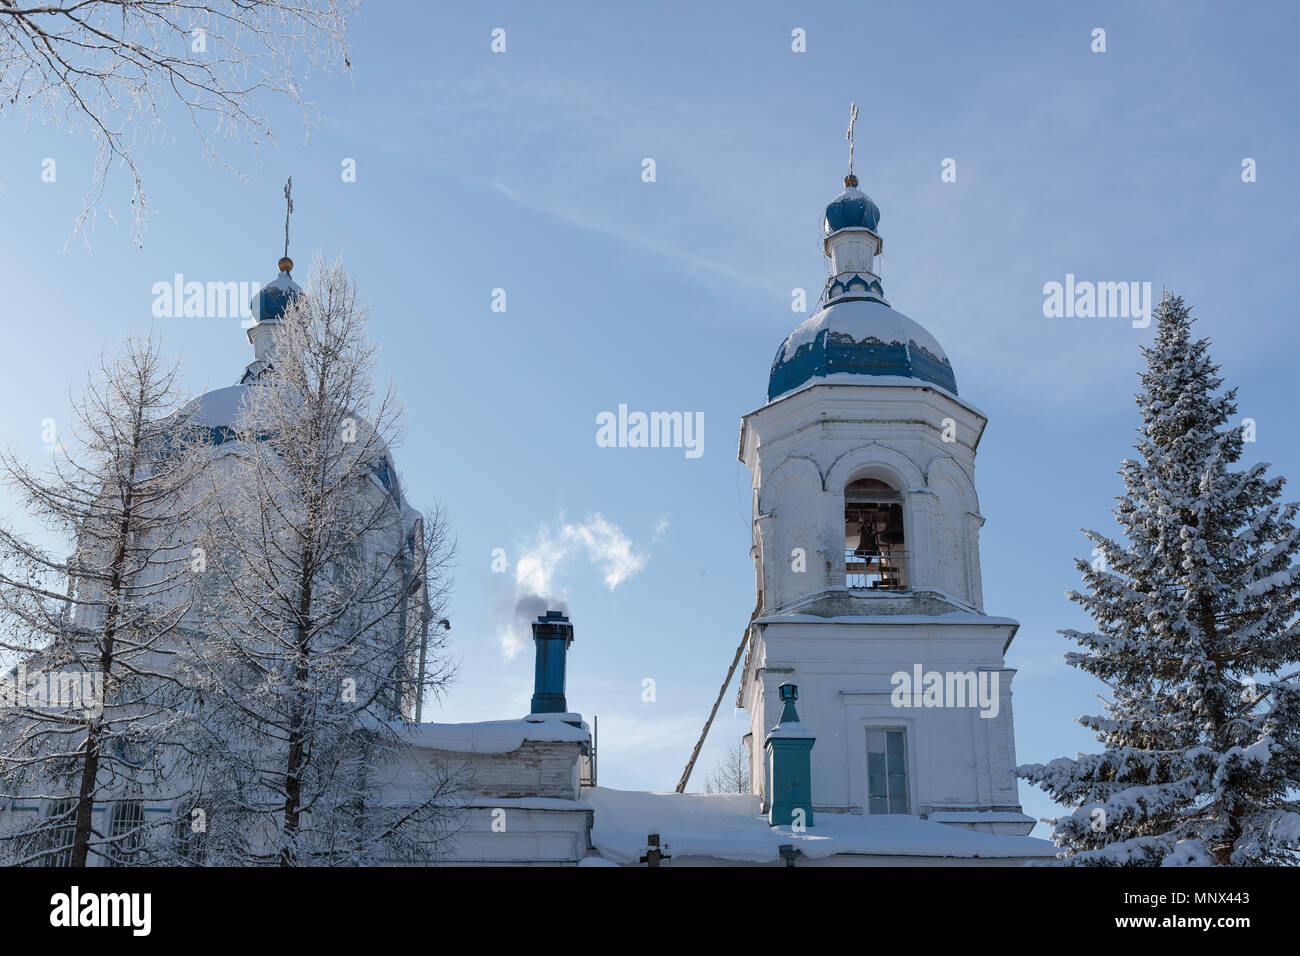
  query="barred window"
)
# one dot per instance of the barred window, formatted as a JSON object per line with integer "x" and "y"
{"x": 61, "y": 828}
{"x": 125, "y": 832}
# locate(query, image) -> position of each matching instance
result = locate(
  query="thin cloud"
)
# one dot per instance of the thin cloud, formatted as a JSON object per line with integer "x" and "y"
{"x": 575, "y": 217}
{"x": 540, "y": 565}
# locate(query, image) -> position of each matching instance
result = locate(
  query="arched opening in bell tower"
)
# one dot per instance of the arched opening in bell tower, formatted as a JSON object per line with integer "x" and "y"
{"x": 874, "y": 542}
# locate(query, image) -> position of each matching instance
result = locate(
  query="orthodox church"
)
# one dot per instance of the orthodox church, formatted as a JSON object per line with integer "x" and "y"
{"x": 879, "y": 700}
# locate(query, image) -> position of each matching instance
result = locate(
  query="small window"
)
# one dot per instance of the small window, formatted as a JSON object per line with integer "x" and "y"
{"x": 887, "y": 770}
{"x": 125, "y": 832}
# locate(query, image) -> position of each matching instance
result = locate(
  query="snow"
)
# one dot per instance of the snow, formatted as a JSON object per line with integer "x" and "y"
{"x": 1279, "y": 579}
{"x": 951, "y": 617}
{"x": 1188, "y": 853}
{"x": 730, "y": 826}
{"x": 219, "y": 407}
{"x": 864, "y": 319}
{"x": 978, "y": 816}
{"x": 792, "y": 729}
{"x": 495, "y": 736}
{"x": 524, "y": 803}
{"x": 855, "y": 378}
{"x": 1286, "y": 828}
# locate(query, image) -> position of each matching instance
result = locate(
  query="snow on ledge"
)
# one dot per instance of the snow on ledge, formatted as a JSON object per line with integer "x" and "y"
{"x": 978, "y": 816}
{"x": 948, "y": 617}
{"x": 496, "y": 736}
{"x": 729, "y": 826}
{"x": 525, "y": 803}
{"x": 791, "y": 730}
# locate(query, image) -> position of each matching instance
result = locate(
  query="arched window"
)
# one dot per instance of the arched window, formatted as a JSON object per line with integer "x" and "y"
{"x": 874, "y": 542}
{"x": 60, "y": 830}
{"x": 126, "y": 832}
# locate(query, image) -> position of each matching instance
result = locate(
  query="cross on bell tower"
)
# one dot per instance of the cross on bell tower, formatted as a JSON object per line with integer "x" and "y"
{"x": 850, "y": 179}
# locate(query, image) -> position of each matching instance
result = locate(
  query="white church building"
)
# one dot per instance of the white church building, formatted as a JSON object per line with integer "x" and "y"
{"x": 870, "y": 611}
{"x": 877, "y": 689}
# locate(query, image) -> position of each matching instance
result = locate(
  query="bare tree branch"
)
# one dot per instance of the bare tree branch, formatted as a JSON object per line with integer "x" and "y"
{"x": 112, "y": 69}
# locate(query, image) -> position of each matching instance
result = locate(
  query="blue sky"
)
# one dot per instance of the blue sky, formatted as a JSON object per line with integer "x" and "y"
{"x": 522, "y": 171}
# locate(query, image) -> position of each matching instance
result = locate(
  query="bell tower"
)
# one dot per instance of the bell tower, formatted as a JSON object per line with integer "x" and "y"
{"x": 866, "y": 553}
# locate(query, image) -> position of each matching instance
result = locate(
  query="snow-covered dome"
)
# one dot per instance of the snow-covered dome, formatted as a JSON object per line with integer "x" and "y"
{"x": 217, "y": 411}
{"x": 859, "y": 341}
{"x": 857, "y": 337}
{"x": 851, "y": 209}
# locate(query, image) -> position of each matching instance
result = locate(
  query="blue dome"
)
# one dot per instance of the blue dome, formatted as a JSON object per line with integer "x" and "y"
{"x": 859, "y": 342}
{"x": 852, "y": 209}
{"x": 273, "y": 298}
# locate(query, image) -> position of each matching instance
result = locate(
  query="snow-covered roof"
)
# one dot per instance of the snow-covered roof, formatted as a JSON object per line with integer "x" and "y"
{"x": 859, "y": 340}
{"x": 219, "y": 407}
{"x": 496, "y": 736}
{"x": 730, "y": 826}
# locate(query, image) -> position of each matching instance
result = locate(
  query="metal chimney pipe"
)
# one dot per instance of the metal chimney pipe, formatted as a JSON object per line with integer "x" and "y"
{"x": 552, "y": 634}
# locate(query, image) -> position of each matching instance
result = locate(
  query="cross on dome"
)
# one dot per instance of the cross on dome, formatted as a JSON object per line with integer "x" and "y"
{"x": 856, "y": 335}
{"x": 271, "y": 301}
{"x": 288, "y": 208}
{"x": 853, "y": 121}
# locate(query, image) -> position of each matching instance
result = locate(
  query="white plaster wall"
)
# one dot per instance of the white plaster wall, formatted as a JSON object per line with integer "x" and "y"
{"x": 804, "y": 449}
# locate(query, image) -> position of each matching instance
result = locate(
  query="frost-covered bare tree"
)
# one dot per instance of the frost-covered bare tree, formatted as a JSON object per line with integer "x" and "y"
{"x": 321, "y": 587}
{"x": 112, "y": 69}
{"x": 731, "y": 773}
{"x": 91, "y": 706}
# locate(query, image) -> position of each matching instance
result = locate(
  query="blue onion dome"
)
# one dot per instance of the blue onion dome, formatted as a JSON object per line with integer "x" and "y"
{"x": 273, "y": 298}
{"x": 859, "y": 342}
{"x": 852, "y": 209}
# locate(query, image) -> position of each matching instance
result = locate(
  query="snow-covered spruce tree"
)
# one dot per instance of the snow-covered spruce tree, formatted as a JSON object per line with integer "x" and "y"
{"x": 91, "y": 707}
{"x": 320, "y": 588}
{"x": 1196, "y": 637}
